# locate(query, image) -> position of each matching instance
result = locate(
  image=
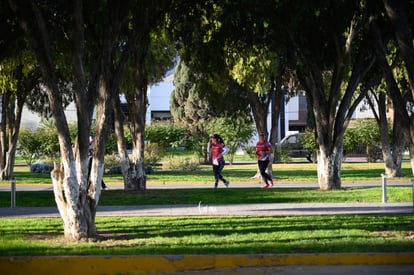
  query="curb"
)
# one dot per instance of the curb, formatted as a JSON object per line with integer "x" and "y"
{"x": 184, "y": 263}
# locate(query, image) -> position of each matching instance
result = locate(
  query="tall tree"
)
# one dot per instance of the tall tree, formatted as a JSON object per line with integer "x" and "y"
{"x": 401, "y": 17}
{"x": 188, "y": 108}
{"x": 19, "y": 75}
{"x": 325, "y": 56}
{"x": 76, "y": 195}
{"x": 19, "y": 80}
{"x": 152, "y": 55}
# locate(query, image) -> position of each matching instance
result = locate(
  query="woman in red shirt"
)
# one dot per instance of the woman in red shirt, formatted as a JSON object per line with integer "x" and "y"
{"x": 263, "y": 151}
{"x": 218, "y": 149}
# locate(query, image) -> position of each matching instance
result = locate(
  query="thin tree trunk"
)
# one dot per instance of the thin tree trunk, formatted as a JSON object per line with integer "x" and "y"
{"x": 411, "y": 152}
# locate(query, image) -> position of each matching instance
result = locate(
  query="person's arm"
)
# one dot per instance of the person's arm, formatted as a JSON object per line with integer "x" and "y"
{"x": 225, "y": 150}
{"x": 269, "y": 149}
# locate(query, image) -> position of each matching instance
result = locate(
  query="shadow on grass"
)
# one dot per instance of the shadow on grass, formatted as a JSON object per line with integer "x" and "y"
{"x": 216, "y": 235}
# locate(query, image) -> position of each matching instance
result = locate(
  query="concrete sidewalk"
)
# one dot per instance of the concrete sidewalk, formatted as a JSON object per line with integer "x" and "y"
{"x": 201, "y": 209}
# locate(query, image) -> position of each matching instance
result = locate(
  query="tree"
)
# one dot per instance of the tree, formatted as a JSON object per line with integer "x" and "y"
{"x": 19, "y": 80}
{"x": 190, "y": 109}
{"x": 325, "y": 57}
{"x": 19, "y": 75}
{"x": 76, "y": 195}
{"x": 152, "y": 56}
{"x": 402, "y": 28}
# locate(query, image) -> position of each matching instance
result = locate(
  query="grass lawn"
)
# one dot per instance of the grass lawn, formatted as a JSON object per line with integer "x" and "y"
{"x": 220, "y": 235}
{"x": 242, "y": 173}
{"x": 214, "y": 235}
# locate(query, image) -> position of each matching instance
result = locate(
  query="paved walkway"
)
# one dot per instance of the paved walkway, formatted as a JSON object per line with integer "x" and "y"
{"x": 200, "y": 208}
{"x": 278, "y": 209}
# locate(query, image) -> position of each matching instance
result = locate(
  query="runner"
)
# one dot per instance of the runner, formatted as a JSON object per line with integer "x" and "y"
{"x": 218, "y": 149}
{"x": 263, "y": 151}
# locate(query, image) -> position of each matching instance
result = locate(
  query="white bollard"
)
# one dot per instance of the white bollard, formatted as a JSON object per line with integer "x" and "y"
{"x": 384, "y": 188}
{"x": 13, "y": 193}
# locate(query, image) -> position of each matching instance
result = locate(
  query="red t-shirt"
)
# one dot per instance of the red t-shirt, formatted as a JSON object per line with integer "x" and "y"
{"x": 216, "y": 150}
{"x": 262, "y": 146}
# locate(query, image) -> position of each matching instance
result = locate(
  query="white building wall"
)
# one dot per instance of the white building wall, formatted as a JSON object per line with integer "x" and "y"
{"x": 159, "y": 97}
{"x": 32, "y": 120}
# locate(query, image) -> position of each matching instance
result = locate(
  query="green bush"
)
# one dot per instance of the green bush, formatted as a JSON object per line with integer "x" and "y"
{"x": 181, "y": 163}
{"x": 111, "y": 160}
{"x": 28, "y": 145}
{"x": 251, "y": 151}
{"x": 282, "y": 154}
{"x": 165, "y": 134}
{"x": 153, "y": 153}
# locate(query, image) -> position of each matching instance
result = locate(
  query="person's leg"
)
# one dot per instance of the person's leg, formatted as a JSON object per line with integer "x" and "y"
{"x": 262, "y": 168}
{"x": 216, "y": 175}
{"x": 220, "y": 169}
{"x": 103, "y": 185}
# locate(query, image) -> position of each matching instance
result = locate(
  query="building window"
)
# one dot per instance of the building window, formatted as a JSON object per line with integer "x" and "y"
{"x": 160, "y": 115}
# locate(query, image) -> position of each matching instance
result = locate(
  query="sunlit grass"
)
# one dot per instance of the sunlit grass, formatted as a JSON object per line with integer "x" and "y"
{"x": 223, "y": 196}
{"x": 214, "y": 235}
{"x": 242, "y": 173}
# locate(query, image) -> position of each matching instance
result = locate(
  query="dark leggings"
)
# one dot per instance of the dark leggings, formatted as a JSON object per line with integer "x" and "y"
{"x": 262, "y": 168}
{"x": 217, "y": 171}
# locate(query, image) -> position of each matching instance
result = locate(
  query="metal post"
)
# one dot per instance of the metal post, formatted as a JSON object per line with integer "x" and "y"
{"x": 384, "y": 188}
{"x": 13, "y": 192}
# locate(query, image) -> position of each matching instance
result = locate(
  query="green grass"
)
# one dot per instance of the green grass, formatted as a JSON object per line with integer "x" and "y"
{"x": 214, "y": 235}
{"x": 220, "y": 235}
{"x": 222, "y": 196}
{"x": 291, "y": 172}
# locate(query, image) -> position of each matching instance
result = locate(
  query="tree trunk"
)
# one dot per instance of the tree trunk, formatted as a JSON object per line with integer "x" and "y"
{"x": 14, "y": 125}
{"x": 12, "y": 106}
{"x": 329, "y": 170}
{"x": 405, "y": 123}
{"x": 136, "y": 178}
{"x": 74, "y": 196}
{"x": 137, "y": 107}
{"x": 411, "y": 152}
{"x": 78, "y": 219}
{"x": 260, "y": 110}
{"x": 391, "y": 165}
{"x": 403, "y": 34}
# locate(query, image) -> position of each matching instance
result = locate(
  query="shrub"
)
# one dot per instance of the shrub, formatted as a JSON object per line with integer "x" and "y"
{"x": 41, "y": 167}
{"x": 282, "y": 154}
{"x": 165, "y": 134}
{"x": 181, "y": 163}
{"x": 251, "y": 151}
{"x": 116, "y": 169}
{"x": 28, "y": 145}
{"x": 111, "y": 160}
{"x": 153, "y": 153}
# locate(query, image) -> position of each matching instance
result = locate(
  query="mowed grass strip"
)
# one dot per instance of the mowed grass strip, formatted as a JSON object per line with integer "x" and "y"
{"x": 213, "y": 235}
{"x": 241, "y": 173}
{"x": 222, "y": 196}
